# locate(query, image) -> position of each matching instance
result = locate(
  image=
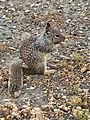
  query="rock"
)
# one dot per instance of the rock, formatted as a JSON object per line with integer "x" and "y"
{"x": 83, "y": 69}
{"x": 46, "y": 107}
{"x": 25, "y": 35}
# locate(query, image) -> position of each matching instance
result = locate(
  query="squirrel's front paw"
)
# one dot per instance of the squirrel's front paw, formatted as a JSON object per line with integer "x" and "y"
{"x": 49, "y": 71}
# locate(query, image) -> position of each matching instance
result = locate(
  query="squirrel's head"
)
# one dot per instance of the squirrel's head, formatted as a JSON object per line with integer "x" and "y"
{"x": 53, "y": 34}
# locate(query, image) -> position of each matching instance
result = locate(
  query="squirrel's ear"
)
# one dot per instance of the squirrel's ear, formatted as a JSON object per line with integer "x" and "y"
{"x": 48, "y": 25}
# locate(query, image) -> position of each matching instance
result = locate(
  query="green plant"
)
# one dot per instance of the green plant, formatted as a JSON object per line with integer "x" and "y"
{"x": 78, "y": 57}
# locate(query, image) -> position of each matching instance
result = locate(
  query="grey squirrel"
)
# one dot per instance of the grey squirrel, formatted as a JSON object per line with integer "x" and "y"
{"x": 34, "y": 53}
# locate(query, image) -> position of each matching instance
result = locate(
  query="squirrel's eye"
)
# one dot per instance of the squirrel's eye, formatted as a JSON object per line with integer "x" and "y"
{"x": 57, "y": 35}
{"x": 47, "y": 32}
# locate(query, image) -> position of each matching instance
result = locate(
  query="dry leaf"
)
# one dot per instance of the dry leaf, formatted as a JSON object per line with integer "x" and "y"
{"x": 83, "y": 69}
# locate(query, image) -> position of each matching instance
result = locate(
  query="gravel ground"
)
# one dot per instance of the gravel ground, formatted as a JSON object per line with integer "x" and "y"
{"x": 64, "y": 95}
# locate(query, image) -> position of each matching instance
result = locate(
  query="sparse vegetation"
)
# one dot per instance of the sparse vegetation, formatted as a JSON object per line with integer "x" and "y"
{"x": 64, "y": 95}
